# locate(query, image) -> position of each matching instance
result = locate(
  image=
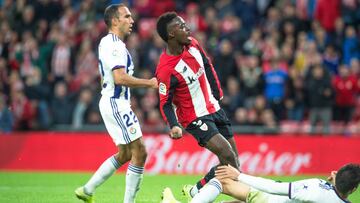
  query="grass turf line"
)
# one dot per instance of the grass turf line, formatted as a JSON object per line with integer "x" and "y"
{"x": 36, "y": 187}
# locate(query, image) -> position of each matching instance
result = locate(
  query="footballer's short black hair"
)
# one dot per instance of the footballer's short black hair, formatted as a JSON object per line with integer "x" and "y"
{"x": 163, "y": 22}
{"x": 111, "y": 12}
{"x": 347, "y": 178}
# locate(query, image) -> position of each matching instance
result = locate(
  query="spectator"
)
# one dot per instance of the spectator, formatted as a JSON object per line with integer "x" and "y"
{"x": 345, "y": 86}
{"x": 81, "y": 108}
{"x": 331, "y": 59}
{"x": 275, "y": 83}
{"x": 251, "y": 79}
{"x": 319, "y": 93}
{"x": 61, "y": 104}
{"x": 295, "y": 101}
{"x": 351, "y": 46}
{"x": 224, "y": 62}
{"x": 6, "y": 119}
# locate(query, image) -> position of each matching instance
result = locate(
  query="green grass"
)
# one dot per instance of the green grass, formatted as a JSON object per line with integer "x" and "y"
{"x": 24, "y": 187}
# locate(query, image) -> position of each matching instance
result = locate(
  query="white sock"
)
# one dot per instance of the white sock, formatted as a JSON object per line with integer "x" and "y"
{"x": 101, "y": 175}
{"x": 134, "y": 175}
{"x": 208, "y": 193}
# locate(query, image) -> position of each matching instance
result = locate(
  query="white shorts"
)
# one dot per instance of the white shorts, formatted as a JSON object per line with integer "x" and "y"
{"x": 120, "y": 121}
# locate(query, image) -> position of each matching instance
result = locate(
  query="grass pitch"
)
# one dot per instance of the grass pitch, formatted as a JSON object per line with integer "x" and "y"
{"x": 36, "y": 187}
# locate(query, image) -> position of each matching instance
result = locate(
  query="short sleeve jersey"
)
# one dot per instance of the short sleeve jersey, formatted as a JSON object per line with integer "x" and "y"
{"x": 114, "y": 55}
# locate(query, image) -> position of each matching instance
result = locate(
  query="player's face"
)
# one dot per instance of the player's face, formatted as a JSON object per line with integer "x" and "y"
{"x": 181, "y": 31}
{"x": 125, "y": 21}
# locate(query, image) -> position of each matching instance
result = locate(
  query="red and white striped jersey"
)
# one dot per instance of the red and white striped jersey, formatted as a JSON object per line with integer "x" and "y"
{"x": 188, "y": 85}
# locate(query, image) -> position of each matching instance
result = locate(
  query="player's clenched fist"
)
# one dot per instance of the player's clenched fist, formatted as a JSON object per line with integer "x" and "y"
{"x": 154, "y": 83}
{"x": 176, "y": 132}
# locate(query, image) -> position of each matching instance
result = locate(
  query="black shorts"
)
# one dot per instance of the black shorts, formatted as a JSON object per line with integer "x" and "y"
{"x": 205, "y": 127}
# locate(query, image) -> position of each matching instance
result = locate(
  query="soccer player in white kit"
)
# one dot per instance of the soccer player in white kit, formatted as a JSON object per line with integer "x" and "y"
{"x": 116, "y": 68}
{"x": 260, "y": 190}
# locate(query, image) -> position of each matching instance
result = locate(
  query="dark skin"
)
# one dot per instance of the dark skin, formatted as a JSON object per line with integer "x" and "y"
{"x": 178, "y": 38}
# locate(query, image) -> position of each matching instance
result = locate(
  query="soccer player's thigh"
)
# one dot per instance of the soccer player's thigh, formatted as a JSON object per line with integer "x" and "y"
{"x": 224, "y": 126}
{"x": 122, "y": 125}
{"x": 202, "y": 129}
{"x": 132, "y": 128}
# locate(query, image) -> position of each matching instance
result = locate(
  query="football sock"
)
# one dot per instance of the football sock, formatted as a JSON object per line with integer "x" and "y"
{"x": 101, "y": 175}
{"x": 208, "y": 193}
{"x": 134, "y": 175}
{"x": 203, "y": 181}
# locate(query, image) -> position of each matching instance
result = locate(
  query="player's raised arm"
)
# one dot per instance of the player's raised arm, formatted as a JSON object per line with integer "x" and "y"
{"x": 122, "y": 78}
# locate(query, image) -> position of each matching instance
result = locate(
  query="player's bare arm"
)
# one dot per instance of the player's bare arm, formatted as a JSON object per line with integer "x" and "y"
{"x": 122, "y": 78}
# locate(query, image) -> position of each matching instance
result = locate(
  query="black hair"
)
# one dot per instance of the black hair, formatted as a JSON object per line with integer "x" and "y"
{"x": 111, "y": 12}
{"x": 163, "y": 22}
{"x": 347, "y": 178}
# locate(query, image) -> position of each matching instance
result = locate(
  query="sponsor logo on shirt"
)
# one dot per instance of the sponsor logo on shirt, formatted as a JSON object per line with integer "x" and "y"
{"x": 162, "y": 88}
{"x": 193, "y": 78}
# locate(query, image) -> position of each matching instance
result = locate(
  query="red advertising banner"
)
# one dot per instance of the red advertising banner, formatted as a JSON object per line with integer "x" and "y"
{"x": 258, "y": 154}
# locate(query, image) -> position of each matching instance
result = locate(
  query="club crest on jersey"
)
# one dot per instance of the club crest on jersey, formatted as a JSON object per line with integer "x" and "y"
{"x": 204, "y": 127}
{"x": 115, "y": 52}
{"x": 132, "y": 130}
{"x": 162, "y": 88}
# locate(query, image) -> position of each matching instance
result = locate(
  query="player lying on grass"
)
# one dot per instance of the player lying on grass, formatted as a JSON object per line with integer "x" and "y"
{"x": 253, "y": 189}
{"x": 261, "y": 190}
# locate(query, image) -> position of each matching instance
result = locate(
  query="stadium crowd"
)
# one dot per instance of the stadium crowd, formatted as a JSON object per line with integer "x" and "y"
{"x": 282, "y": 63}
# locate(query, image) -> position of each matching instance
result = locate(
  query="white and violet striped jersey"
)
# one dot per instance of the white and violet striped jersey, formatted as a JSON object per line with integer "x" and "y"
{"x": 114, "y": 55}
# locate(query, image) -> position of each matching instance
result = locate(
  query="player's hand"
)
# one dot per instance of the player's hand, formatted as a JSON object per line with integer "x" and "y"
{"x": 224, "y": 172}
{"x": 332, "y": 176}
{"x": 176, "y": 132}
{"x": 154, "y": 83}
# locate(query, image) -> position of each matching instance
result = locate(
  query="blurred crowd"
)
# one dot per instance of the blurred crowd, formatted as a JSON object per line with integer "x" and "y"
{"x": 281, "y": 63}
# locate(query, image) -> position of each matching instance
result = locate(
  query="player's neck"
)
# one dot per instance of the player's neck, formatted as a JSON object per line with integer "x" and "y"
{"x": 342, "y": 196}
{"x": 174, "y": 49}
{"x": 117, "y": 33}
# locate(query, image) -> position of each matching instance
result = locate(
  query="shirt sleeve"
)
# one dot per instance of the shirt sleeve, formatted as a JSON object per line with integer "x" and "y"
{"x": 211, "y": 74}
{"x": 115, "y": 56}
{"x": 167, "y": 85}
{"x": 265, "y": 185}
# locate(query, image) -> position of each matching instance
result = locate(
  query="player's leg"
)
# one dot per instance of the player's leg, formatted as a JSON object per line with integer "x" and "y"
{"x": 216, "y": 143}
{"x": 235, "y": 189}
{"x": 107, "y": 168}
{"x": 223, "y": 150}
{"x": 234, "y": 147}
{"x": 115, "y": 128}
{"x": 134, "y": 173}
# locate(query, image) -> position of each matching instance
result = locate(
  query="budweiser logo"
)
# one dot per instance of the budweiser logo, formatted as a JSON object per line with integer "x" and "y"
{"x": 163, "y": 158}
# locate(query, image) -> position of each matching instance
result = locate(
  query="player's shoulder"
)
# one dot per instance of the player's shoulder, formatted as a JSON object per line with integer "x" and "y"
{"x": 163, "y": 68}
{"x": 111, "y": 41}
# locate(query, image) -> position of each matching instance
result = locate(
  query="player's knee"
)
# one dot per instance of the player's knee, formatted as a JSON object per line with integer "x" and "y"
{"x": 123, "y": 158}
{"x": 140, "y": 155}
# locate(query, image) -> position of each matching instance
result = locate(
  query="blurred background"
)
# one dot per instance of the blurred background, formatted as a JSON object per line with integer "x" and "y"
{"x": 285, "y": 66}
